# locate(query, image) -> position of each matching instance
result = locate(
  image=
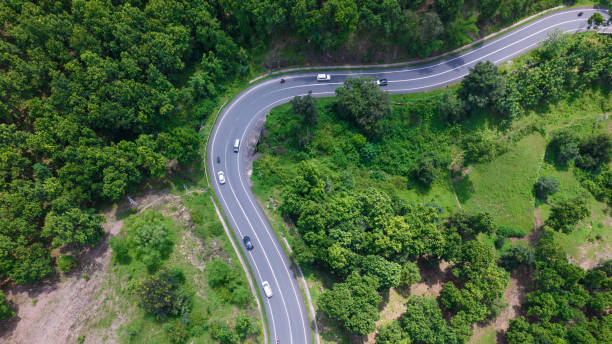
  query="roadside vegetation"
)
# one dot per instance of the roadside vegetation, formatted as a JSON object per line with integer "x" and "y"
{"x": 372, "y": 187}
{"x": 176, "y": 279}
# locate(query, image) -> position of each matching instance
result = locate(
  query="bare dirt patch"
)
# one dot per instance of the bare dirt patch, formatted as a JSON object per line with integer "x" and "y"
{"x": 60, "y": 309}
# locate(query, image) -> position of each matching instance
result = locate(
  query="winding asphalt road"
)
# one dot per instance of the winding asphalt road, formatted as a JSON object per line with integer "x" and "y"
{"x": 286, "y": 311}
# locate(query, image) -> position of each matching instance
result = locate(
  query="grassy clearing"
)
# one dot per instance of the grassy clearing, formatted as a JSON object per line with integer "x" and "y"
{"x": 504, "y": 186}
{"x": 198, "y": 238}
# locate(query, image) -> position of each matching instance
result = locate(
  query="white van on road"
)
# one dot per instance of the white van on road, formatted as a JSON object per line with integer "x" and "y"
{"x": 236, "y": 145}
{"x": 323, "y": 77}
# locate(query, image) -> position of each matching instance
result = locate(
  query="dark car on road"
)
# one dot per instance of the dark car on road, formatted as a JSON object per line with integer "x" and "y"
{"x": 381, "y": 82}
{"x": 247, "y": 243}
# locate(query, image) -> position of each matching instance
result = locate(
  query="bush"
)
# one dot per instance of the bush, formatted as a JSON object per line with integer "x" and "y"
{"x": 510, "y": 232}
{"x": 500, "y": 241}
{"x": 223, "y": 334}
{"x": 410, "y": 274}
{"x": 594, "y": 152}
{"x": 245, "y": 326}
{"x": 177, "y": 332}
{"x": 227, "y": 283}
{"x": 65, "y": 263}
{"x": 564, "y": 146}
{"x": 148, "y": 236}
{"x": 120, "y": 250}
{"x": 161, "y": 296}
{"x": 566, "y": 215}
{"x": 518, "y": 255}
{"x": 5, "y": 310}
{"x": 425, "y": 170}
{"x": 481, "y": 149}
{"x": 546, "y": 186}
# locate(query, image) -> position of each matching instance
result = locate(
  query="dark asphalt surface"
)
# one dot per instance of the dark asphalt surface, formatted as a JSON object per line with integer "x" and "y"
{"x": 286, "y": 310}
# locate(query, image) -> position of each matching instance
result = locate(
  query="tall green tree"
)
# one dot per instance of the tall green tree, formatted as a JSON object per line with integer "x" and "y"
{"x": 363, "y": 103}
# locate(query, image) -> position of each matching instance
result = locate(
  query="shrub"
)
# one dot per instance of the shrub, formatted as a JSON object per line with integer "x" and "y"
{"x": 223, "y": 334}
{"x": 481, "y": 149}
{"x": 245, "y": 326}
{"x": 161, "y": 296}
{"x": 176, "y": 331}
{"x": 148, "y": 236}
{"x": 510, "y": 232}
{"x": 120, "y": 250}
{"x": 410, "y": 274}
{"x": 500, "y": 241}
{"x": 594, "y": 152}
{"x": 546, "y": 186}
{"x": 566, "y": 215}
{"x": 65, "y": 263}
{"x": 5, "y": 310}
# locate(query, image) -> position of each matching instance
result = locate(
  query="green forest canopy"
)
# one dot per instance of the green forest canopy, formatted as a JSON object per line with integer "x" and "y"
{"x": 98, "y": 96}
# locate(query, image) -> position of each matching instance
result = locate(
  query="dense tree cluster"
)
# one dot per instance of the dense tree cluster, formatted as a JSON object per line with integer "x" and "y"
{"x": 94, "y": 101}
{"x": 371, "y": 241}
{"x": 567, "y": 304}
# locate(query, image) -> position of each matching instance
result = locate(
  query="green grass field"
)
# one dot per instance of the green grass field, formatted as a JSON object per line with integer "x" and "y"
{"x": 504, "y": 186}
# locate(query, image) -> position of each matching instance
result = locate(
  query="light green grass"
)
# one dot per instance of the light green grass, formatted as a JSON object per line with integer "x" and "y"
{"x": 504, "y": 186}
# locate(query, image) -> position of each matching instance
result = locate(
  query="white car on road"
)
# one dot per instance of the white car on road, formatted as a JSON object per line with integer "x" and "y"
{"x": 221, "y": 176}
{"x": 323, "y": 77}
{"x": 267, "y": 289}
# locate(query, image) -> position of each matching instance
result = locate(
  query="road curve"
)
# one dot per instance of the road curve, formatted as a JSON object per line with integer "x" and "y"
{"x": 286, "y": 311}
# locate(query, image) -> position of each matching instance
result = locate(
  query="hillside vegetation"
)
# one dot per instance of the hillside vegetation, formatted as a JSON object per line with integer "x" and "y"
{"x": 373, "y": 193}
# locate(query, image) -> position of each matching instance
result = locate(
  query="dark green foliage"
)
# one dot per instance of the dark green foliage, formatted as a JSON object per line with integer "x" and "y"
{"x": 363, "y": 103}
{"x": 519, "y": 254}
{"x": 410, "y": 274}
{"x": 148, "y": 237}
{"x": 245, "y": 326}
{"x": 564, "y": 146}
{"x": 354, "y": 303}
{"x": 65, "y": 263}
{"x": 161, "y": 295}
{"x": 568, "y": 66}
{"x": 93, "y": 103}
{"x": 510, "y": 232}
{"x": 594, "y": 152}
{"x": 392, "y": 334}
{"x": 223, "y": 334}
{"x": 469, "y": 225}
{"x": 177, "y": 332}
{"x": 600, "y": 185}
{"x": 482, "y": 87}
{"x": 479, "y": 148}
{"x": 452, "y": 108}
{"x": 425, "y": 170}
{"x": 423, "y": 323}
{"x": 559, "y": 308}
{"x": 596, "y": 19}
{"x": 226, "y": 282}
{"x": 566, "y": 215}
{"x": 306, "y": 107}
{"x": 120, "y": 250}
{"x": 545, "y": 186}
{"x": 5, "y": 310}
{"x": 387, "y": 273}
